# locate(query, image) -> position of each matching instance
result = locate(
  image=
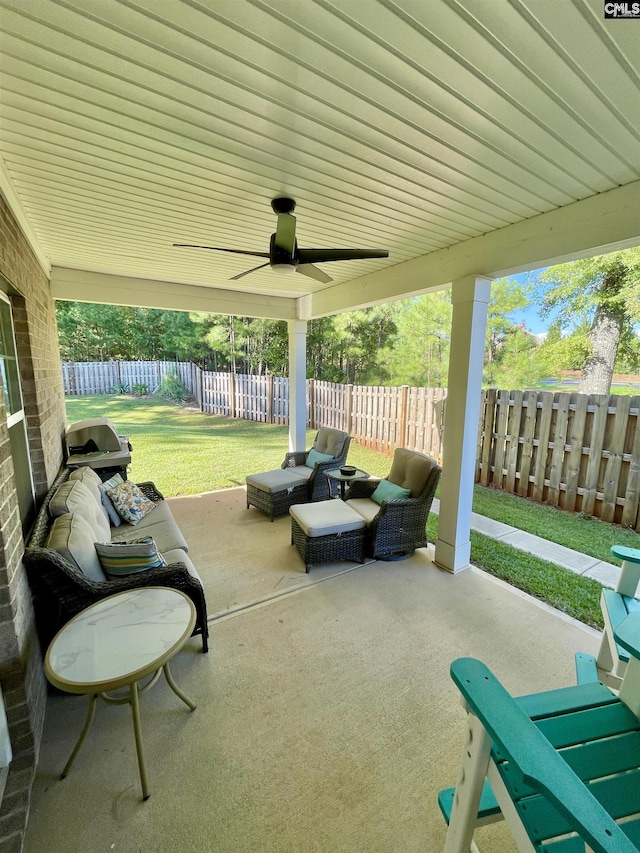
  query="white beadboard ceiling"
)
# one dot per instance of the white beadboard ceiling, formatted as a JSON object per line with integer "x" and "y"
{"x": 413, "y": 126}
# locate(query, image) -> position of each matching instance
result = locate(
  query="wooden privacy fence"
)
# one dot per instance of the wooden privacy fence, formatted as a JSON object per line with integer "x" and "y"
{"x": 104, "y": 377}
{"x": 378, "y": 417}
{"x": 578, "y": 452}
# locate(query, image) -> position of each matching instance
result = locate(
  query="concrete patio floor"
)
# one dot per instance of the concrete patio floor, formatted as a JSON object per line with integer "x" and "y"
{"x": 326, "y": 718}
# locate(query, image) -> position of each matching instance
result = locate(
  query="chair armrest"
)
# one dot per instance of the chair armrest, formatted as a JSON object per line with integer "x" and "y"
{"x": 298, "y": 457}
{"x": 150, "y": 491}
{"x": 362, "y": 488}
{"x": 533, "y": 755}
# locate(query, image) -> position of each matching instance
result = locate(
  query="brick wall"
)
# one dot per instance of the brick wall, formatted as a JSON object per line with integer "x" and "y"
{"x": 21, "y": 672}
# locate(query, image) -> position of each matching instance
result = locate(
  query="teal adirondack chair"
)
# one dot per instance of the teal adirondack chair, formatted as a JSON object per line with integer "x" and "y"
{"x": 561, "y": 767}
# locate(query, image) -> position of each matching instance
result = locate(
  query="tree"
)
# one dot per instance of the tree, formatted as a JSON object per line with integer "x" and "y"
{"x": 605, "y": 292}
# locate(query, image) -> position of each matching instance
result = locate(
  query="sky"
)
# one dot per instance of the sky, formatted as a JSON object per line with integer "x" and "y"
{"x": 529, "y": 316}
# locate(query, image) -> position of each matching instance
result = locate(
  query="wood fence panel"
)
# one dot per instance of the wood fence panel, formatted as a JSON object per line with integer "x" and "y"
{"x": 630, "y": 514}
{"x": 487, "y": 437}
{"x": 530, "y": 404}
{"x": 558, "y": 441}
{"x": 613, "y": 465}
{"x": 594, "y": 464}
{"x": 541, "y": 447}
{"x": 576, "y": 438}
{"x": 513, "y": 430}
{"x": 500, "y": 438}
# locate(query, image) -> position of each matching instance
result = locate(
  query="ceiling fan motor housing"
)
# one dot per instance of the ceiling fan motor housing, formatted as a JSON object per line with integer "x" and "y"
{"x": 280, "y": 257}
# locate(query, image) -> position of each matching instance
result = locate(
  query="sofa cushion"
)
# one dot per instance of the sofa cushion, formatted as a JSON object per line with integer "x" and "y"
{"x": 411, "y": 470}
{"x": 90, "y": 480}
{"x": 179, "y": 556}
{"x": 73, "y": 496}
{"x": 386, "y": 491}
{"x": 72, "y": 537}
{"x": 119, "y": 559}
{"x": 330, "y": 441}
{"x": 160, "y": 524}
{"x": 130, "y": 502}
{"x": 314, "y": 456}
{"x": 277, "y": 480}
{"x": 107, "y": 503}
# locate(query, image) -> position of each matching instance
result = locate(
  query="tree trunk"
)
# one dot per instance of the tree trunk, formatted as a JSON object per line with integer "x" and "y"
{"x": 597, "y": 371}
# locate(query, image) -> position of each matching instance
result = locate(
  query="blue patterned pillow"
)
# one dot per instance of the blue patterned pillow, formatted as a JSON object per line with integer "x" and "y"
{"x": 130, "y": 502}
{"x": 111, "y": 483}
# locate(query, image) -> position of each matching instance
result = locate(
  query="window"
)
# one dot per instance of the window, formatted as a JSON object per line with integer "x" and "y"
{"x": 16, "y": 423}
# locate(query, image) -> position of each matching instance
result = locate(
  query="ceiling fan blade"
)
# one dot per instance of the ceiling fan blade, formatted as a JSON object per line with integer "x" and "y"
{"x": 285, "y": 238}
{"x": 253, "y": 269}
{"x": 218, "y": 249}
{"x": 313, "y": 256}
{"x": 314, "y": 272}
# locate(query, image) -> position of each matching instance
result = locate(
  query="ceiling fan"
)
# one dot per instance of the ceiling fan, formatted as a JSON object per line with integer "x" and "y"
{"x": 284, "y": 255}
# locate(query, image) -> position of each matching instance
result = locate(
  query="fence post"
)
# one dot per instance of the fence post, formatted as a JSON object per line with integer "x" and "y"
{"x": 402, "y": 425}
{"x": 311, "y": 392}
{"x": 232, "y": 395}
{"x": 348, "y": 408}
{"x": 270, "y": 398}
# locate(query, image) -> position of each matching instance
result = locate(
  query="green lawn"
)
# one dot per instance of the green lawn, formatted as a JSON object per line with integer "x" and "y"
{"x": 186, "y": 452}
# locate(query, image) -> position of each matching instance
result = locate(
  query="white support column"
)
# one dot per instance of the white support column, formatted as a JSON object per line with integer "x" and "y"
{"x": 297, "y": 384}
{"x": 470, "y": 296}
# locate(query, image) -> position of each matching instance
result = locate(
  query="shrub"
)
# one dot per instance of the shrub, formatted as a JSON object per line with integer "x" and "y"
{"x": 139, "y": 389}
{"x": 120, "y": 388}
{"x": 171, "y": 388}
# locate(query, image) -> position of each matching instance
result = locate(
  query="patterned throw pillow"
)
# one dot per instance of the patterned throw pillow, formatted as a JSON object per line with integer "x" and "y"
{"x": 130, "y": 502}
{"x": 387, "y": 491}
{"x": 119, "y": 559}
{"x": 111, "y": 483}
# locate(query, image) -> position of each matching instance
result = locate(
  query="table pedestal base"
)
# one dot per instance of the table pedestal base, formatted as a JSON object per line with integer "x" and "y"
{"x": 132, "y": 699}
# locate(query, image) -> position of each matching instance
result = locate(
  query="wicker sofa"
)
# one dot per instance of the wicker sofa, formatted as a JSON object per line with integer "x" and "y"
{"x": 67, "y": 578}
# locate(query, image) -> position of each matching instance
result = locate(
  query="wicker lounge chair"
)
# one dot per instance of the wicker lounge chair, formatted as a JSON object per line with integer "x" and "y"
{"x": 397, "y": 527}
{"x": 297, "y": 481}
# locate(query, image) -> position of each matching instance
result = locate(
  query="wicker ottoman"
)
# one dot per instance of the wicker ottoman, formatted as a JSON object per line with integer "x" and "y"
{"x": 275, "y": 491}
{"x": 327, "y": 531}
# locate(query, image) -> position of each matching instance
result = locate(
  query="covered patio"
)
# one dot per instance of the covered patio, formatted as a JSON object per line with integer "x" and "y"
{"x": 470, "y": 140}
{"x": 326, "y": 718}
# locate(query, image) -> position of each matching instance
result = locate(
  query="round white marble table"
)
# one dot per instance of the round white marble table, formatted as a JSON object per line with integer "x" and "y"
{"x": 116, "y": 643}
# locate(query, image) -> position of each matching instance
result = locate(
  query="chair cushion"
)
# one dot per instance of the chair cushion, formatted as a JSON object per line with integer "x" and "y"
{"x": 130, "y": 502}
{"x": 365, "y": 507}
{"x": 302, "y": 471}
{"x": 275, "y": 481}
{"x": 330, "y": 441}
{"x": 72, "y": 537}
{"x": 314, "y": 456}
{"x": 111, "y": 483}
{"x": 410, "y": 469}
{"x": 73, "y": 496}
{"x": 324, "y": 518}
{"x": 119, "y": 559}
{"x": 386, "y": 491}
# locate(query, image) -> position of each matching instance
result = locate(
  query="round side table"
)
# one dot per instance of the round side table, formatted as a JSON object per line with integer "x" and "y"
{"x": 116, "y": 643}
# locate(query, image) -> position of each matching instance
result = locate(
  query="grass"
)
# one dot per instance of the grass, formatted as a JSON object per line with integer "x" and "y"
{"x": 186, "y": 452}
